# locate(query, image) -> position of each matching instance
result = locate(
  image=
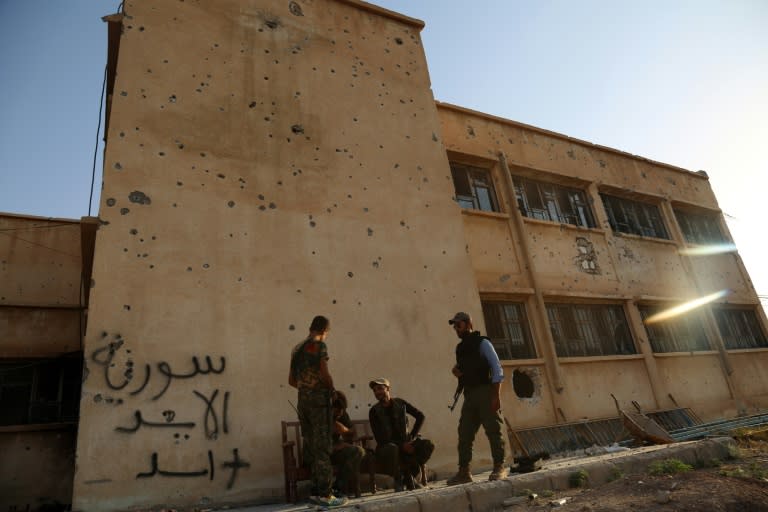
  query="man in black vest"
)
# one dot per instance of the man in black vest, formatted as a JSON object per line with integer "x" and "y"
{"x": 479, "y": 371}
{"x": 399, "y": 453}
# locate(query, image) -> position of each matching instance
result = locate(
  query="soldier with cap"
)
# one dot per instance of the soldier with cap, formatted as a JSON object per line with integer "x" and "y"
{"x": 400, "y": 453}
{"x": 479, "y": 372}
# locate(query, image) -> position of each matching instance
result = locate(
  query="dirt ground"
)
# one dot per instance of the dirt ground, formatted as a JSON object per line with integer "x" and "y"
{"x": 739, "y": 484}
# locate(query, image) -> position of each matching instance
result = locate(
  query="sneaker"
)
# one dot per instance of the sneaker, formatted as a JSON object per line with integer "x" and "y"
{"x": 329, "y": 501}
{"x": 499, "y": 472}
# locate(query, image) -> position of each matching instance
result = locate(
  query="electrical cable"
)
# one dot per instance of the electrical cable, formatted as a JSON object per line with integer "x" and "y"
{"x": 98, "y": 131}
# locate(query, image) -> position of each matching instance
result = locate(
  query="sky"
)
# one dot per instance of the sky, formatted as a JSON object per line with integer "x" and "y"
{"x": 684, "y": 82}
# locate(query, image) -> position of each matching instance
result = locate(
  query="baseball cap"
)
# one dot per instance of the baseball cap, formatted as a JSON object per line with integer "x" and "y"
{"x": 460, "y": 317}
{"x": 380, "y": 381}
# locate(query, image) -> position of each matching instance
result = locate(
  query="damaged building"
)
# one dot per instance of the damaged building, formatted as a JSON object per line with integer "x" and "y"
{"x": 267, "y": 161}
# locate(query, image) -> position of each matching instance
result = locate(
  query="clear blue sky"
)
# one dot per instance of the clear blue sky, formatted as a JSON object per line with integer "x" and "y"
{"x": 681, "y": 82}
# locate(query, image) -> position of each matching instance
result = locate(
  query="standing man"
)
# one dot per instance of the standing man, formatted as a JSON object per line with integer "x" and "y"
{"x": 309, "y": 374}
{"x": 400, "y": 453}
{"x": 479, "y": 371}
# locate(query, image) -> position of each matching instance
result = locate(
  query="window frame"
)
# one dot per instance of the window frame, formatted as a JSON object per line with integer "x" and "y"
{"x": 749, "y": 320}
{"x": 571, "y": 339}
{"x": 52, "y": 387}
{"x": 700, "y": 228}
{"x": 549, "y": 197}
{"x": 638, "y": 217}
{"x": 675, "y": 334}
{"x": 475, "y": 178}
{"x": 497, "y": 320}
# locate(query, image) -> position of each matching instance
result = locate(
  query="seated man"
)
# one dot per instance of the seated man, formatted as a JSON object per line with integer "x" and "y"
{"x": 345, "y": 455}
{"x": 398, "y": 452}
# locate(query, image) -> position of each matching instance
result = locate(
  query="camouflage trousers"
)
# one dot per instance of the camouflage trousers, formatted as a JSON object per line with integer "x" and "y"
{"x": 476, "y": 411}
{"x": 316, "y": 426}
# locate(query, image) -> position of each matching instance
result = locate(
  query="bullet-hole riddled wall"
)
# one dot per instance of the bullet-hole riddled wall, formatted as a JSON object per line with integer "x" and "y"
{"x": 266, "y": 161}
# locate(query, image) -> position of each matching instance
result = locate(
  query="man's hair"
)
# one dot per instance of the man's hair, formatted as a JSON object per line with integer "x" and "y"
{"x": 320, "y": 324}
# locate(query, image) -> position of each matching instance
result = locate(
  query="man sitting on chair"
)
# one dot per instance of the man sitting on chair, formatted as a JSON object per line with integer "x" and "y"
{"x": 400, "y": 453}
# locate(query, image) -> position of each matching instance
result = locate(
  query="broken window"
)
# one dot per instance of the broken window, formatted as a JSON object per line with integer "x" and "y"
{"x": 590, "y": 330}
{"x": 740, "y": 328}
{"x": 683, "y": 333}
{"x": 700, "y": 228}
{"x": 634, "y": 217}
{"x": 34, "y": 391}
{"x": 507, "y": 326}
{"x": 474, "y": 187}
{"x": 556, "y": 203}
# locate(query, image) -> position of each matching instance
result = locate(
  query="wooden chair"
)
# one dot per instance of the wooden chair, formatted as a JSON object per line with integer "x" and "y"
{"x": 293, "y": 457}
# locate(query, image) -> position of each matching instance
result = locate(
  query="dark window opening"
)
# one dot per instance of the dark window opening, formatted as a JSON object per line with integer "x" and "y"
{"x": 36, "y": 391}
{"x": 590, "y": 330}
{"x": 683, "y": 333}
{"x": 699, "y": 228}
{"x": 474, "y": 188}
{"x": 740, "y": 328}
{"x": 547, "y": 201}
{"x": 507, "y": 326}
{"x": 634, "y": 217}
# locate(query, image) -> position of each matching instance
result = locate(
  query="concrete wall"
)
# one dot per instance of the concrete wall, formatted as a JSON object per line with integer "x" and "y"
{"x": 40, "y": 317}
{"x": 266, "y": 162}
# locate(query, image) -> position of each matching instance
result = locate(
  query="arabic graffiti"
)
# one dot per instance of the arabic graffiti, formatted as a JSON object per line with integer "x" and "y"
{"x": 211, "y": 419}
{"x": 141, "y": 422}
{"x": 234, "y": 465}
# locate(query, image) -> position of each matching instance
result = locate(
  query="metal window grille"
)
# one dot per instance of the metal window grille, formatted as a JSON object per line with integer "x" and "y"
{"x": 740, "y": 328}
{"x": 548, "y": 201}
{"x": 679, "y": 334}
{"x": 634, "y": 217}
{"x": 474, "y": 188}
{"x": 700, "y": 229}
{"x": 590, "y": 330}
{"x": 507, "y": 326}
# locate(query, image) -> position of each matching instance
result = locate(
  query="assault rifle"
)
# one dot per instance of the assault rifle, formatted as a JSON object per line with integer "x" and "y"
{"x": 457, "y": 394}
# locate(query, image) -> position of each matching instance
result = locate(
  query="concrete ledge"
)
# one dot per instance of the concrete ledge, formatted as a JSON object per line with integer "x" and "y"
{"x": 450, "y": 499}
{"x": 489, "y": 495}
{"x": 394, "y": 504}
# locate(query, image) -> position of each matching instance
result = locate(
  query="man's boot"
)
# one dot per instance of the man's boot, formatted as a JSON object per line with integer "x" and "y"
{"x": 499, "y": 472}
{"x": 462, "y": 477}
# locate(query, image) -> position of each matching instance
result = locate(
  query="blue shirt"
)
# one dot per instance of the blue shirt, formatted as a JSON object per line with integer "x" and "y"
{"x": 488, "y": 352}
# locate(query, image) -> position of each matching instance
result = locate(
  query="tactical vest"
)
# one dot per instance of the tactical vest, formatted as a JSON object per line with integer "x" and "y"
{"x": 474, "y": 367}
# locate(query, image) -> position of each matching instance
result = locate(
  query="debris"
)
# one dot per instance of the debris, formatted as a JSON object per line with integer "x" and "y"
{"x": 517, "y": 500}
{"x": 663, "y": 497}
{"x": 560, "y": 502}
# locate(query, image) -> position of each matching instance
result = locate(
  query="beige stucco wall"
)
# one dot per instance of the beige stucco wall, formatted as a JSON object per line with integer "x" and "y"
{"x": 262, "y": 167}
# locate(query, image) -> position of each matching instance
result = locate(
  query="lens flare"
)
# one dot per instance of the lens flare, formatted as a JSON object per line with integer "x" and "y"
{"x": 685, "y": 307}
{"x": 708, "y": 250}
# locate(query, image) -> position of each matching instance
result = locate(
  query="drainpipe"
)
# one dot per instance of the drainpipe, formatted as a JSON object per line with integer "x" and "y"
{"x": 542, "y": 321}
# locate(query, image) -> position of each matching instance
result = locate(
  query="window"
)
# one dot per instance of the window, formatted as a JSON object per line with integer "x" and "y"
{"x": 700, "y": 229}
{"x": 682, "y": 333}
{"x": 740, "y": 328}
{"x": 507, "y": 326}
{"x": 40, "y": 390}
{"x": 589, "y": 330}
{"x": 474, "y": 188}
{"x": 547, "y": 201}
{"x": 634, "y": 217}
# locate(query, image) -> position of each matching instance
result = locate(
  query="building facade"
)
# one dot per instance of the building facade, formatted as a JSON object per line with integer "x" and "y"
{"x": 269, "y": 161}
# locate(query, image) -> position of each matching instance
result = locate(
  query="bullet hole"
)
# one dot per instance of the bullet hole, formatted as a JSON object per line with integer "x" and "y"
{"x": 334, "y": 301}
{"x": 398, "y": 40}
{"x": 97, "y": 398}
{"x": 124, "y": 211}
{"x": 111, "y": 201}
{"x": 375, "y": 264}
{"x": 118, "y": 166}
{"x": 122, "y": 134}
{"x": 266, "y": 78}
{"x": 252, "y": 104}
{"x": 262, "y": 207}
{"x": 220, "y": 176}
{"x": 402, "y": 223}
{"x": 141, "y": 29}
{"x": 139, "y": 197}
{"x": 126, "y": 307}
{"x": 312, "y": 224}
{"x": 297, "y": 128}
{"x": 161, "y": 153}
{"x": 134, "y": 231}
{"x": 179, "y": 145}
{"x": 272, "y": 23}
{"x": 189, "y": 269}
{"x": 295, "y": 9}
{"x": 205, "y": 265}
{"x": 231, "y": 204}
{"x": 179, "y": 183}
{"x": 202, "y": 155}
{"x": 172, "y": 98}
{"x": 177, "y": 435}
{"x": 272, "y": 206}
{"x": 350, "y": 274}
{"x": 370, "y": 232}
{"x": 123, "y": 93}
{"x": 291, "y": 327}
{"x": 471, "y": 131}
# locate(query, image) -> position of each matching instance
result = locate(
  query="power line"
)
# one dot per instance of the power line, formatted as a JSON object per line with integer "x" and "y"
{"x": 50, "y": 226}
{"x": 98, "y": 131}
